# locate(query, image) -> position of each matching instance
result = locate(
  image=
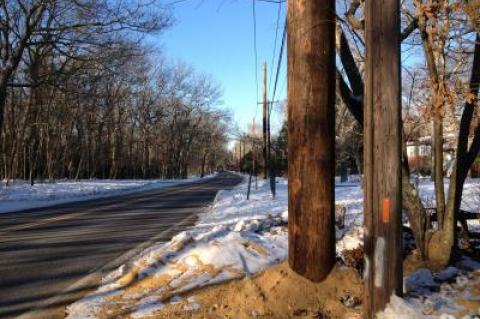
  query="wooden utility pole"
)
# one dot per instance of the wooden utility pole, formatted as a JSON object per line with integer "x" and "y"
{"x": 240, "y": 159}
{"x": 244, "y": 145}
{"x": 269, "y": 108}
{"x": 254, "y": 156}
{"x": 382, "y": 156}
{"x": 311, "y": 137}
{"x": 253, "y": 148}
{"x": 265, "y": 115}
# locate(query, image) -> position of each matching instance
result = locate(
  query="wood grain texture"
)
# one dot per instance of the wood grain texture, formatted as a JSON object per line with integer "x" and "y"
{"x": 311, "y": 137}
{"x": 382, "y": 155}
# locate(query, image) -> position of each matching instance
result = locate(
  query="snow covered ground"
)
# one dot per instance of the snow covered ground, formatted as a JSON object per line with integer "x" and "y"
{"x": 240, "y": 237}
{"x": 20, "y": 195}
{"x": 451, "y": 293}
{"x": 236, "y": 238}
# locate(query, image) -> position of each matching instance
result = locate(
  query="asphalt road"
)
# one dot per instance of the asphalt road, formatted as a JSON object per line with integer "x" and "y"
{"x": 52, "y": 256}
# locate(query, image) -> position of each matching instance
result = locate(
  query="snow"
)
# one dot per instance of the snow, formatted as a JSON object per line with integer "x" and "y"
{"x": 192, "y": 304}
{"x": 235, "y": 238}
{"x": 20, "y": 195}
{"x": 438, "y": 295}
{"x": 147, "y": 307}
{"x": 420, "y": 282}
{"x": 447, "y": 274}
{"x": 93, "y": 302}
{"x": 471, "y": 194}
{"x": 399, "y": 309}
{"x": 239, "y": 237}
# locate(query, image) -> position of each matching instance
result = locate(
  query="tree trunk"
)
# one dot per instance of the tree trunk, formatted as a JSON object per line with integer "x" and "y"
{"x": 442, "y": 245}
{"x": 204, "y": 160}
{"x": 3, "y": 101}
{"x": 415, "y": 212}
{"x": 437, "y": 151}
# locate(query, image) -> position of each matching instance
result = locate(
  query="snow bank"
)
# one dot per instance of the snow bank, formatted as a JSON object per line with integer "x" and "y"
{"x": 236, "y": 238}
{"x": 21, "y": 195}
{"x": 450, "y": 293}
{"x": 470, "y": 199}
{"x": 239, "y": 237}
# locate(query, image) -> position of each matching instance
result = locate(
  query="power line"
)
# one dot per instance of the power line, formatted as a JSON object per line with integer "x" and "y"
{"x": 254, "y": 13}
{"x": 279, "y": 65}
{"x": 275, "y": 45}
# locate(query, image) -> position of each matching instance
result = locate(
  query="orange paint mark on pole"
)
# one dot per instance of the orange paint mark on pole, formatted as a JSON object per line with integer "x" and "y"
{"x": 386, "y": 210}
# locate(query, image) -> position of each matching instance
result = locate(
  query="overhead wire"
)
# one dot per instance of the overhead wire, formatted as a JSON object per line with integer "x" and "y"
{"x": 279, "y": 65}
{"x": 255, "y": 51}
{"x": 279, "y": 11}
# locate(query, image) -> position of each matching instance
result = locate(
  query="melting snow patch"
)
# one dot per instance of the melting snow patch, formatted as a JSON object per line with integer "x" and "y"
{"x": 420, "y": 282}
{"x": 399, "y": 308}
{"x": 147, "y": 307}
{"x": 192, "y": 304}
{"x": 240, "y": 237}
{"x": 87, "y": 307}
{"x": 447, "y": 274}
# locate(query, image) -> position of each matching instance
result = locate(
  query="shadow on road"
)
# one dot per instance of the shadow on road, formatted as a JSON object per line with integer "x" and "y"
{"x": 44, "y": 251}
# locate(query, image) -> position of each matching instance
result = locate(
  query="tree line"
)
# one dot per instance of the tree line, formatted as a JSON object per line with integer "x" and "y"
{"x": 81, "y": 96}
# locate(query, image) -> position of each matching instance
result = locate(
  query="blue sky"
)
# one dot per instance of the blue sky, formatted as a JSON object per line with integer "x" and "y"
{"x": 216, "y": 37}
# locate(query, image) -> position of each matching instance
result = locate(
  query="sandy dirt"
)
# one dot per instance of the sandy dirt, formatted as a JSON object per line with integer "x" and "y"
{"x": 275, "y": 293}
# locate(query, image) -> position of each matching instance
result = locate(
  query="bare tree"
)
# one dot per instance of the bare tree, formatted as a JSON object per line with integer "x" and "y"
{"x": 450, "y": 46}
{"x": 70, "y": 28}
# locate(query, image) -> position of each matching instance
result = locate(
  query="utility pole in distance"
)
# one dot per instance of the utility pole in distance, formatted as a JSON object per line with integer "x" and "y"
{"x": 253, "y": 147}
{"x": 311, "y": 137}
{"x": 269, "y": 150}
{"x": 271, "y": 163}
{"x": 382, "y": 156}
{"x": 240, "y": 159}
{"x": 254, "y": 154}
{"x": 265, "y": 115}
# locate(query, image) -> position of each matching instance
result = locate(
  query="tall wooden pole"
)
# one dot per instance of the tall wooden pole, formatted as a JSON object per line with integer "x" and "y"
{"x": 254, "y": 156}
{"x": 240, "y": 159}
{"x": 265, "y": 115}
{"x": 311, "y": 137}
{"x": 269, "y": 106}
{"x": 253, "y": 147}
{"x": 382, "y": 155}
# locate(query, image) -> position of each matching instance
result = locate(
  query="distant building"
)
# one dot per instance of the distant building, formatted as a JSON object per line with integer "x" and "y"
{"x": 419, "y": 153}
